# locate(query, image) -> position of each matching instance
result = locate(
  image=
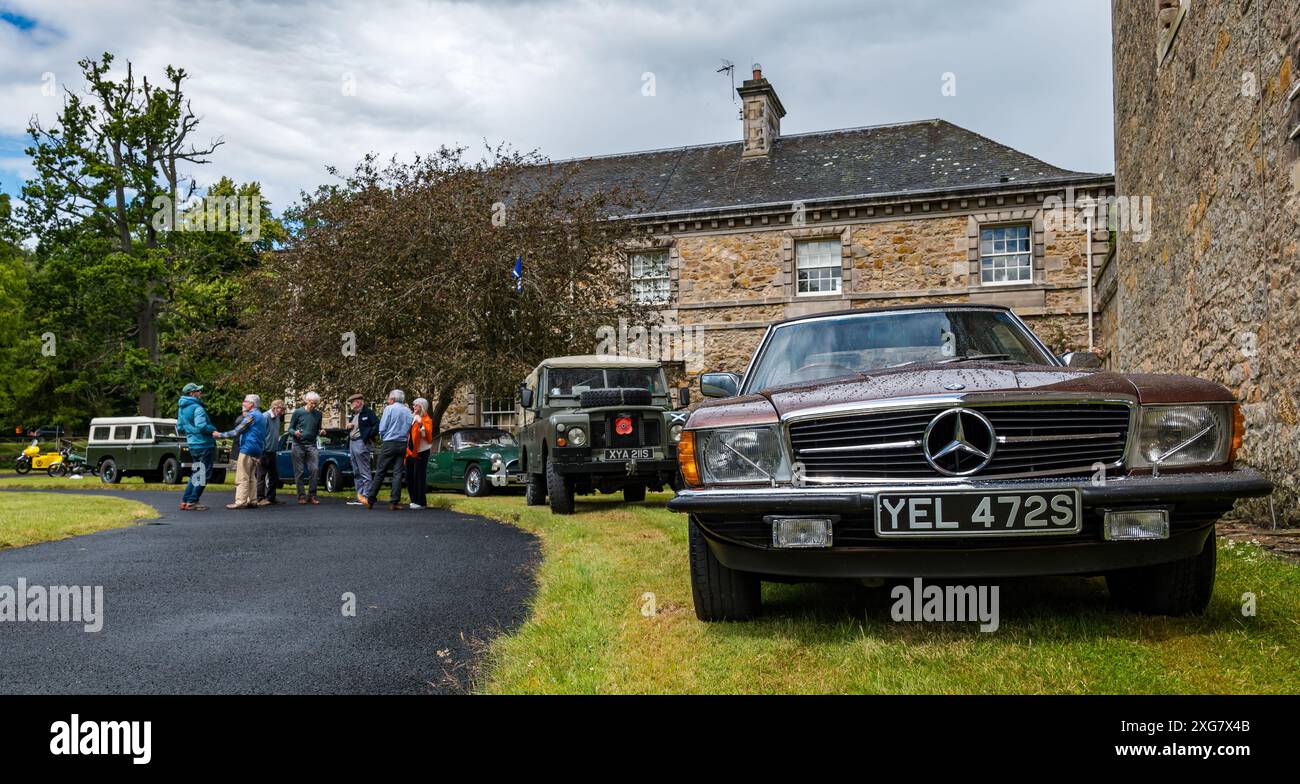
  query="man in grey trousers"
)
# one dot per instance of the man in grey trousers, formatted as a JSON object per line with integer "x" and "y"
{"x": 304, "y": 429}
{"x": 363, "y": 425}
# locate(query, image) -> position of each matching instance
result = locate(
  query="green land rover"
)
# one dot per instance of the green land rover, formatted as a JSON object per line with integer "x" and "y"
{"x": 148, "y": 447}
{"x": 598, "y": 424}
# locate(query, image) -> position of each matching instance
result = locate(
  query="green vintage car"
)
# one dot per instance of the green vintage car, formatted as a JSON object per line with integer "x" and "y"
{"x": 147, "y": 447}
{"x": 474, "y": 460}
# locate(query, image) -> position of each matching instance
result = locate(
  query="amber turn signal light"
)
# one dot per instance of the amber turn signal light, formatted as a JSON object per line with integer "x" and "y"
{"x": 686, "y": 459}
{"x": 1238, "y": 430}
{"x": 561, "y": 442}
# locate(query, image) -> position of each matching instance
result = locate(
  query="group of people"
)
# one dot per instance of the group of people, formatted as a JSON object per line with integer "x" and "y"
{"x": 405, "y": 441}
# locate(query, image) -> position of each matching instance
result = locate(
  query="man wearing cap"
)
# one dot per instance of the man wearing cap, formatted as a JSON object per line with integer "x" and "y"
{"x": 362, "y": 427}
{"x": 250, "y": 429}
{"x": 193, "y": 422}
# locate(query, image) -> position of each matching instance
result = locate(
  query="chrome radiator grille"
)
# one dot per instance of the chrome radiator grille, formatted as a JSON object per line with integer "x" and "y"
{"x": 1060, "y": 439}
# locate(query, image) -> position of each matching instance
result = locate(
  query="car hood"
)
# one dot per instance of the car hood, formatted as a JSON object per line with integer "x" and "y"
{"x": 939, "y": 379}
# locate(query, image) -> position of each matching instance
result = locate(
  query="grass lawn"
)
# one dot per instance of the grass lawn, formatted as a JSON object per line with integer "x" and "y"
{"x": 587, "y": 632}
{"x": 28, "y": 518}
{"x": 39, "y": 480}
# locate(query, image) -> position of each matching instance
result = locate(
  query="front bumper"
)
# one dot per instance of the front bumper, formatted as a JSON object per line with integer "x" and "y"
{"x": 504, "y": 480}
{"x": 579, "y": 460}
{"x": 731, "y": 521}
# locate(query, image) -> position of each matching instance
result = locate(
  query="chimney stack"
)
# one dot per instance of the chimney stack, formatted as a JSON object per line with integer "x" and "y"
{"x": 762, "y": 113}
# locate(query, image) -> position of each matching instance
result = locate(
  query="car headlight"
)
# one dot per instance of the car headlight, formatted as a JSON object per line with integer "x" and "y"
{"x": 577, "y": 436}
{"x": 751, "y": 454}
{"x": 675, "y": 433}
{"x": 1170, "y": 436}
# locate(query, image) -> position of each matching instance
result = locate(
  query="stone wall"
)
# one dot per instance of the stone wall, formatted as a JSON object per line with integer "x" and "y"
{"x": 1203, "y": 113}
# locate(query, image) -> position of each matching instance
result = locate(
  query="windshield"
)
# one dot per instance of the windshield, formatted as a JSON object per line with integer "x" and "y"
{"x": 334, "y": 439}
{"x": 805, "y": 351}
{"x": 468, "y": 439}
{"x": 575, "y": 381}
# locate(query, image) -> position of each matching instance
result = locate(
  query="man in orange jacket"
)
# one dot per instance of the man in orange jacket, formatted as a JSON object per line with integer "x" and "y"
{"x": 418, "y": 449}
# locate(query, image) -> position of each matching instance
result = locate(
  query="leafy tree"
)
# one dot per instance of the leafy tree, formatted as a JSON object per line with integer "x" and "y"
{"x": 130, "y": 301}
{"x": 413, "y": 262}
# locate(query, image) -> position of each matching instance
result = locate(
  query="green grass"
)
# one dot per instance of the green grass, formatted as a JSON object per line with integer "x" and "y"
{"x": 28, "y": 518}
{"x": 39, "y": 480}
{"x": 587, "y": 633}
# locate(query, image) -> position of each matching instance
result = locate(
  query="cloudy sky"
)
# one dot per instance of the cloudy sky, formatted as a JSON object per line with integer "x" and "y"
{"x": 295, "y": 86}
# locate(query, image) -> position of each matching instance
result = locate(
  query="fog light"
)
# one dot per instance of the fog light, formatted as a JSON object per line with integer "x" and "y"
{"x": 1132, "y": 524}
{"x": 801, "y": 531}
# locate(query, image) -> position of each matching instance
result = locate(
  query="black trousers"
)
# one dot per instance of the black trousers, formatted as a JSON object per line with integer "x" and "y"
{"x": 392, "y": 455}
{"x": 417, "y": 477}
{"x": 268, "y": 476}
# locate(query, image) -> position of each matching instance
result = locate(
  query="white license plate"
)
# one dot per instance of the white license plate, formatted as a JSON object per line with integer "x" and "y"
{"x": 628, "y": 454}
{"x": 965, "y": 513}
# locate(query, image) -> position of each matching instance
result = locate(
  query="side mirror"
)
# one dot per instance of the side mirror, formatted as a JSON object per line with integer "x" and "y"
{"x": 683, "y": 397}
{"x": 1080, "y": 359}
{"x": 719, "y": 384}
{"x": 525, "y": 396}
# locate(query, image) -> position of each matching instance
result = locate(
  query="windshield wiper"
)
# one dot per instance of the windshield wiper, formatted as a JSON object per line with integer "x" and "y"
{"x": 970, "y": 357}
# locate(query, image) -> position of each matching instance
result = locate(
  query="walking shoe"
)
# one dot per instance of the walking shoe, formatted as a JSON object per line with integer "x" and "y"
{"x": 302, "y": 499}
{"x": 414, "y": 505}
{"x": 361, "y": 499}
{"x": 236, "y": 506}
{"x": 263, "y": 502}
{"x": 198, "y": 508}
{"x": 395, "y": 507}
{"x": 185, "y": 507}
{"x": 313, "y": 501}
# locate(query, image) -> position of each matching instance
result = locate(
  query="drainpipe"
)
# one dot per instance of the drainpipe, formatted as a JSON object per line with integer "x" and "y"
{"x": 1088, "y": 219}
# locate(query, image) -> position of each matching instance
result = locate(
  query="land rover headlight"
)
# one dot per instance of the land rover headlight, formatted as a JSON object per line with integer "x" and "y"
{"x": 1170, "y": 436}
{"x": 675, "y": 433}
{"x": 577, "y": 436}
{"x": 751, "y": 454}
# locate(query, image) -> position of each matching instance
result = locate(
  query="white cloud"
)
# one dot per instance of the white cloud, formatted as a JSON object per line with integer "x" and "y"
{"x": 565, "y": 77}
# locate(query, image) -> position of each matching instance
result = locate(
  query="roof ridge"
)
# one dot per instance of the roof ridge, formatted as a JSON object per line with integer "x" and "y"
{"x": 683, "y": 148}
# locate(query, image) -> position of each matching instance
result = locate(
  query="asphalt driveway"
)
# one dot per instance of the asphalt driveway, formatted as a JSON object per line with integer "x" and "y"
{"x": 252, "y": 601}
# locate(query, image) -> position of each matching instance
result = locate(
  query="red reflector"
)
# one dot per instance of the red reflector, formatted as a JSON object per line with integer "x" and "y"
{"x": 623, "y": 425}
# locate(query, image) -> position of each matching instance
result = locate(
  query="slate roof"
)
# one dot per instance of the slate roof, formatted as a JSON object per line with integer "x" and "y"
{"x": 927, "y": 156}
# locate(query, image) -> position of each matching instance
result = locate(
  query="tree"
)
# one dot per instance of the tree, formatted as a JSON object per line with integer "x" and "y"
{"x": 411, "y": 264}
{"x": 100, "y": 173}
{"x": 131, "y": 302}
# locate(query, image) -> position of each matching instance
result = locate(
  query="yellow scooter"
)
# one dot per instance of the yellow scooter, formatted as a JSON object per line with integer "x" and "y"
{"x": 32, "y": 457}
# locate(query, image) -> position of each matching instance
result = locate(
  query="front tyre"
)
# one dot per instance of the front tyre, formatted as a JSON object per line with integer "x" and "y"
{"x": 560, "y": 490}
{"x": 535, "y": 491}
{"x": 1176, "y": 588}
{"x": 109, "y": 473}
{"x": 23, "y": 465}
{"x": 720, "y": 593}
{"x": 475, "y": 484}
{"x": 333, "y": 480}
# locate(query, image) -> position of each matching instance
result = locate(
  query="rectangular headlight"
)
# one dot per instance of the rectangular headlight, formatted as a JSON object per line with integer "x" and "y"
{"x": 1182, "y": 435}
{"x": 742, "y": 455}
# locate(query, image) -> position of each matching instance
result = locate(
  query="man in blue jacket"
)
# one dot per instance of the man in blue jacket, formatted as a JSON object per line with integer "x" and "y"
{"x": 193, "y": 422}
{"x": 250, "y": 429}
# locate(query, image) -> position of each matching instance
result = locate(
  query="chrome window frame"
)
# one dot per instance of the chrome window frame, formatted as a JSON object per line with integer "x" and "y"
{"x": 771, "y": 330}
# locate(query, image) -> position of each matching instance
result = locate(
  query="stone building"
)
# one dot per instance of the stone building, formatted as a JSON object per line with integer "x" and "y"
{"x": 1207, "y": 123}
{"x": 738, "y": 234}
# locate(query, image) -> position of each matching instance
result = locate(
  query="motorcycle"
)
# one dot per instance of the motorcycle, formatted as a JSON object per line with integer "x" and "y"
{"x": 72, "y": 464}
{"x": 32, "y": 457}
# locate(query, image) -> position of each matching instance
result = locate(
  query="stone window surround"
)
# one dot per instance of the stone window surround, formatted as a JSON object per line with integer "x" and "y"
{"x": 667, "y": 243}
{"x": 1165, "y": 36}
{"x": 668, "y": 251}
{"x": 790, "y": 276}
{"x": 1037, "y": 245}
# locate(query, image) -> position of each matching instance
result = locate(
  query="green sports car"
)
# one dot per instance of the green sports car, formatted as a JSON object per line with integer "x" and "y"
{"x": 474, "y": 460}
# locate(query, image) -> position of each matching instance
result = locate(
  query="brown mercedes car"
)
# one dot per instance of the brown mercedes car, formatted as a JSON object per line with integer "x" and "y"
{"x": 949, "y": 442}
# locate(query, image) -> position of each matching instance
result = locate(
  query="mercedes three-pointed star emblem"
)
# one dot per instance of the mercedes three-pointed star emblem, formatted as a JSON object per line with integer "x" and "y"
{"x": 959, "y": 442}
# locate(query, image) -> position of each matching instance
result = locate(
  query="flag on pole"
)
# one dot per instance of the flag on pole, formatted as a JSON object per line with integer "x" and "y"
{"x": 518, "y": 274}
